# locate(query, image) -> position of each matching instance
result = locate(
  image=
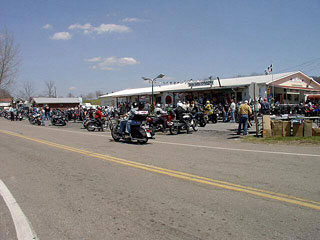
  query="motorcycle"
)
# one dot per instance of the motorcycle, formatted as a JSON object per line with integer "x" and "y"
{"x": 19, "y": 116}
{"x": 93, "y": 124}
{"x": 140, "y": 133}
{"x": 200, "y": 118}
{"x": 159, "y": 123}
{"x": 35, "y": 119}
{"x": 185, "y": 123}
{"x": 58, "y": 120}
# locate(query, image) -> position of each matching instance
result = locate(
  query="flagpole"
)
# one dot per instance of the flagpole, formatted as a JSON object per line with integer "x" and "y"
{"x": 273, "y": 96}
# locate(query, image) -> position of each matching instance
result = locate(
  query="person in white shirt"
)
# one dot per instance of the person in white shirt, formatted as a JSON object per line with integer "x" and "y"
{"x": 232, "y": 111}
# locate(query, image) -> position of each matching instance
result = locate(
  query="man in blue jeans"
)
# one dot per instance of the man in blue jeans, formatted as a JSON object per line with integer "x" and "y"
{"x": 244, "y": 112}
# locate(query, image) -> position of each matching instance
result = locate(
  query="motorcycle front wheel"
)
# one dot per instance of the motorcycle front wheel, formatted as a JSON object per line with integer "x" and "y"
{"x": 115, "y": 135}
{"x": 91, "y": 127}
{"x": 174, "y": 130}
{"x": 195, "y": 126}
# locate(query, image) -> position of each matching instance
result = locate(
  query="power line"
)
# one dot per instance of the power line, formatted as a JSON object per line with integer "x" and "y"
{"x": 308, "y": 63}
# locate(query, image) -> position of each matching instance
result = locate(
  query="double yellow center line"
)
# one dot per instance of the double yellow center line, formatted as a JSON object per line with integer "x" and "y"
{"x": 181, "y": 175}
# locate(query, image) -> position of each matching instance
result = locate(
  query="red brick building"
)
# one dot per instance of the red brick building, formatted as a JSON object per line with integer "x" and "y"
{"x": 54, "y": 103}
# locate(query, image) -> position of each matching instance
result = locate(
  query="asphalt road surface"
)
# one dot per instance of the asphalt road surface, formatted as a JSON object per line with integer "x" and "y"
{"x": 73, "y": 184}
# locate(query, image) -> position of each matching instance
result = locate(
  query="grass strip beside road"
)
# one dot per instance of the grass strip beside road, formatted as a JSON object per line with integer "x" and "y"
{"x": 181, "y": 175}
{"x": 314, "y": 140}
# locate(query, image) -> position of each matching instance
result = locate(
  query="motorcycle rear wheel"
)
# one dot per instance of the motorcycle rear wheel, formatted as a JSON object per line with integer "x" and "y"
{"x": 203, "y": 123}
{"x": 144, "y": 141}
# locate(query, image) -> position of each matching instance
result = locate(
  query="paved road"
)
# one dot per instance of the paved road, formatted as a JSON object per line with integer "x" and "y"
{"x": 72, "y": 184}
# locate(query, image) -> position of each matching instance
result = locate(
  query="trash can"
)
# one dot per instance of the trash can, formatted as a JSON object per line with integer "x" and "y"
{"x": 297, "y": 128}
{"x": 307, "y": 128}
{"x": 286, "y": 126}
{"x": 276, "y": 128}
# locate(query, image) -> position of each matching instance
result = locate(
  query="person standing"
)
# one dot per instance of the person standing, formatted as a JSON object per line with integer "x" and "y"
{"x": 11, "y": 110}
{"x": 225, "y": 111}
{"x": 43, "y": 116}
{"x": 233, "y": 110}
{"x": 265, "y": 107}
{"x": 47, "y": 112}
{"x": 244, "y": 112}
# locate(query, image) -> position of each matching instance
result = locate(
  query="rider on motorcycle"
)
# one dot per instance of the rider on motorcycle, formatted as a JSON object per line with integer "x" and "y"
{"x": 208, "y": 107}
{"x": 126, "y": 124}
{"x": 98, "y": 117}
{"x": 160, "y": 119}
{"x": 180, "y": 110}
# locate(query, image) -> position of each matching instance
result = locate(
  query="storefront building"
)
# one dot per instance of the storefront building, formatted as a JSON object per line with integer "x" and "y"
{"x": 292, "y": 87}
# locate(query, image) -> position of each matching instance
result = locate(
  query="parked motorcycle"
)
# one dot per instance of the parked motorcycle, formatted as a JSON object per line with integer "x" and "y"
{"x": 19, "y": 116}
{"x": 58, "y": 120}
{"x": 140, "y": 133}
{"x": 35, "y": 119}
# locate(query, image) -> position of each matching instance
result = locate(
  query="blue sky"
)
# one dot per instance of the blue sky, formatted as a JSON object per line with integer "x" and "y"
{"x": 107, "y": 45}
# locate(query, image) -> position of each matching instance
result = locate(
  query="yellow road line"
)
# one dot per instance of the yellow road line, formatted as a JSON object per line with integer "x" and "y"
{"x": 186, "y": 176}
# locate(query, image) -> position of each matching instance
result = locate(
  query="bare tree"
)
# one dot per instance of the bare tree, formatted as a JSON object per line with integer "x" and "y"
{"x": 4, "y": 93}
{"x": 70, "y": 95}
{"x": 51, "y": 90}
{"x": 98, "y": 93}
{"x": 9, "y": 59}
{"x": 27, "y": 91}
{"x": 90, "y": 96}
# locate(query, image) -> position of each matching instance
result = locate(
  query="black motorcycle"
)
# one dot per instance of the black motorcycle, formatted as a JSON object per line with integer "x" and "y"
{"x": 200, "y": 118}
{"x": 19, "y": 116}
{"x": 185, "y": 123}
{"x": 93, "y": 124}
{"x": 58, "y": 120}
{"x": 140, "y": 133}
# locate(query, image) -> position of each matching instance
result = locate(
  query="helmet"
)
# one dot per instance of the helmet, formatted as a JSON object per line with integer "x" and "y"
{"x": 141, "y": 105}
{"x": 99, "y": 108}
{"x": 134, "y": 105}
{"x": 179, "y": 104}
{"x": 158, "y": 105}
{"x": 208, "y": 102}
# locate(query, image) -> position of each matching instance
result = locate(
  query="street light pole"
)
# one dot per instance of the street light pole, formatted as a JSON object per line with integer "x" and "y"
{"x": 152, "y": 81}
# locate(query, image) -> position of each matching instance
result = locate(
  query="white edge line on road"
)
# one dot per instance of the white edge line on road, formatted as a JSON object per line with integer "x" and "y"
{"x": 240, "y": 150}
{"x": 22, "y": 225}
{"x": 200, "y": 146}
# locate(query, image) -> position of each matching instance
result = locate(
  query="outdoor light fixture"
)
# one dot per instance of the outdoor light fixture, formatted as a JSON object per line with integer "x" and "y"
{"x": 152, "y": 81}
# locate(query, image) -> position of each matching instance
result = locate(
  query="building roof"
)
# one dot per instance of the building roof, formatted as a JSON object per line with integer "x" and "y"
{"x": 3, "y": 104}
{"x": 56, "y": 100}
{"x": 225, "y": 83}
{"x": 5, "y": 100}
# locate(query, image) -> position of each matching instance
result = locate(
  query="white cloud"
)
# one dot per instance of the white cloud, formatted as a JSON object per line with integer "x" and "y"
{"x": 132, "y": 20}
{"x": 47, "y": 26}
{"x": 111, "y": 63}
{"x": 127, "y": 61}
{"x": 61, "y": 36}
{"x": 103, "y": 28}
{"x": 94, "y": 59}
{"x": 86, "y": 26}
{"x": 109, "y": 28}
{"x": 72, "y": 88}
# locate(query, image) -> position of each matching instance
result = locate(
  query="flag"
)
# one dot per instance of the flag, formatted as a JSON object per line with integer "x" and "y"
{"x": 268, "y": 70}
